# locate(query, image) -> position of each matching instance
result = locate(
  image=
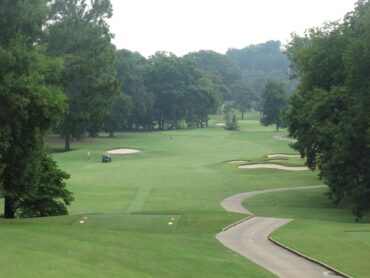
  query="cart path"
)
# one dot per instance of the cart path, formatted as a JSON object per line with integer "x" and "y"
{"x": 250, "y": 239}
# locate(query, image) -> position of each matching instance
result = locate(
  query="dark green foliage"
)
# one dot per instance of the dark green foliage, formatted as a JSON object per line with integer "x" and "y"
{"x": 220, "y": 68}
{"x": 272, "y": 102}
{"x": 261, "y": 62}
{"x": 181, "y": 91}
{"x": 243, "y": 97}
{"x": 29, "y": 103}
{"x": 118, "y": 114}
{"x": 49, "y": 196}
{"x": 79, "y": 34}
{"x": 130, "y": 69}
{"x": 330, "y": 113}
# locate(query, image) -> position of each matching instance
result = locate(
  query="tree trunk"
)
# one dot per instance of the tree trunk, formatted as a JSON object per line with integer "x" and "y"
{"x": 242, "y": 115}
{"x": 67, "y": 142}
{"x": 161, "y": 120}
{"x": 9, "y": 210}
{"x": 111, "y": 133}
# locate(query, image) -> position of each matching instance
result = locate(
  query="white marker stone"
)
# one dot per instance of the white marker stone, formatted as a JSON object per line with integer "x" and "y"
{"x": 81, "y": 222}
{"x": 170, "y": 223}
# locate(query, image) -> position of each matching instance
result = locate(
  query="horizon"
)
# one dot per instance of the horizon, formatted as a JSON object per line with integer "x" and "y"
{"x": 147, "y": 27}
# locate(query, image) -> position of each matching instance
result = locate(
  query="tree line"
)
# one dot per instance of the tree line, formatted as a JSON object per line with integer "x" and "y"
{"x": 60, "y": 72}
{"x": 329, "y": 114}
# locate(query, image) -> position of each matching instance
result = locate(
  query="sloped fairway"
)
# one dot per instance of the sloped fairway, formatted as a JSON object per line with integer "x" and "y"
{"x": 320, "y": 230}
{"x": 126, "y": 206}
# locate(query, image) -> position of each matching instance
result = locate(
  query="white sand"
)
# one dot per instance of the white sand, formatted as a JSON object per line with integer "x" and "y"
{"x": 237, "y": 161}
{"x": 220, "y": 124}
{"x": 273, "y": 166}
{"x": 284, "y": 138}
{"x": 282, "y": 155}
{"x": 123, "y": 151}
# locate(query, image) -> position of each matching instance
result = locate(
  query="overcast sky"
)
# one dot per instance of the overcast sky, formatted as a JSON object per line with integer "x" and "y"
{"x": 182, "y": 26}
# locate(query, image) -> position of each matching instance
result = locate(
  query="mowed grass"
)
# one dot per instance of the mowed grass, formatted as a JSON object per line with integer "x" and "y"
{"x": 320, "y": 229}
{"x": 127, "y": 206}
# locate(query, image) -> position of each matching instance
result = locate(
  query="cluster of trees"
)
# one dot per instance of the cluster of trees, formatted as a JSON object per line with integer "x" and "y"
{"x": 261, "y": 62}
{"x": 56, "y": 67}
{"x": 60, "y": 71}
{"x": 164, "y": 92}
{"x": 329, "y": 114}
{"x": 234, "y": 90}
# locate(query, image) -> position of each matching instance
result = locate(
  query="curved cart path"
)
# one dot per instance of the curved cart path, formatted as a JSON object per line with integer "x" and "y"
{"x": 250, "y": 239}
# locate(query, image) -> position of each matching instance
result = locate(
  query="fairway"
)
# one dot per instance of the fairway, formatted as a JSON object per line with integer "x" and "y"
{"x": 178, "y": 177}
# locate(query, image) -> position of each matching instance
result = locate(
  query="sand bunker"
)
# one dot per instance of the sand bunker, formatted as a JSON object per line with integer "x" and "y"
{"x": 123, "y": 151}
{"x": 220, "y": 124}
{"x": 284, "y": 138}
{"x": 237, "y": 161}
{"x": 282, "y": 155}
{"x": 273, "y": 166}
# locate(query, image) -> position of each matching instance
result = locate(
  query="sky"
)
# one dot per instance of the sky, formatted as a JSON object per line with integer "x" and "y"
{"x": 183, "y": 26}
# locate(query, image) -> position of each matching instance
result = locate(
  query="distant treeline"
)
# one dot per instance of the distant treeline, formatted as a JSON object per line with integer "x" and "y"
{"x": 169, "y": 92}
{"x": 60, "y": 71}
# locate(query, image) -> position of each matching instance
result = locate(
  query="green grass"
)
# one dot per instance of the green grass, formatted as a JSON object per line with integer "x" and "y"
{"x": 320, "y": 229}
{"x": 179, "y": 177}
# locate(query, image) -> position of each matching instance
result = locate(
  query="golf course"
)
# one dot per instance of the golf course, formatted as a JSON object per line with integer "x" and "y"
{"x": 156, "y": 212}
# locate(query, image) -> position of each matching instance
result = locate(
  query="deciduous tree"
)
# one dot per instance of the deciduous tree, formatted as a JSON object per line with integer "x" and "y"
{"x": 329, "y": 115}
{"x": 272, "y": 102}
{"x": 79, "y": 34}
{"x": 29, "y": 104}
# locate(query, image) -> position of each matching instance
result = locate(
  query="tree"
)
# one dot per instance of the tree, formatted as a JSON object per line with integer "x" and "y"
{"x": 220, "y": 68}
{"x": 49, "y": 197}
{"x": 118, "y": 114}
{"x": 273, "y": 101}
{"x": 29, "y": 105}
{"x": 261, "y": 62}
{"x": 329, "y": 114}
{"x": 181, "y": 91}
{"x": 130, "y": 69}
{"x": 202, "y": 99}
{"x": 79, "y": 33}
{"x": 243, "y": 97}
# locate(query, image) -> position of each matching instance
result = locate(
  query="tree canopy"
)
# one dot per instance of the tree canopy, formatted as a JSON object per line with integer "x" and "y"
{"x": 261, "y": 62}
{"x": 180, "y": 90}
{"x": 273, "y": 100}
{"x": 79, "y": 34}
{"x": 30, "y": 104}
{"x": 330, "y": 113}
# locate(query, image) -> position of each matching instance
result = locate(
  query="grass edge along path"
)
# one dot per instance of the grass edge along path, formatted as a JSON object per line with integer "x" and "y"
{"x": 289, "y": 264}
{"x": 321, "y": 230}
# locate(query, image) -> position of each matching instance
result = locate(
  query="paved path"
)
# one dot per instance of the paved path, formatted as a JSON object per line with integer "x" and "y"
{"x": 250, "y": 239}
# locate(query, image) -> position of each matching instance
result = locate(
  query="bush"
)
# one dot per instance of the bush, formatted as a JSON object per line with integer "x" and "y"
{"x": 231, "y": 122}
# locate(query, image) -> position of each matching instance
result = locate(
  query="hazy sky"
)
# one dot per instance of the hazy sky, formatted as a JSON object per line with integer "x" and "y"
{"x": 182, "y": 26}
